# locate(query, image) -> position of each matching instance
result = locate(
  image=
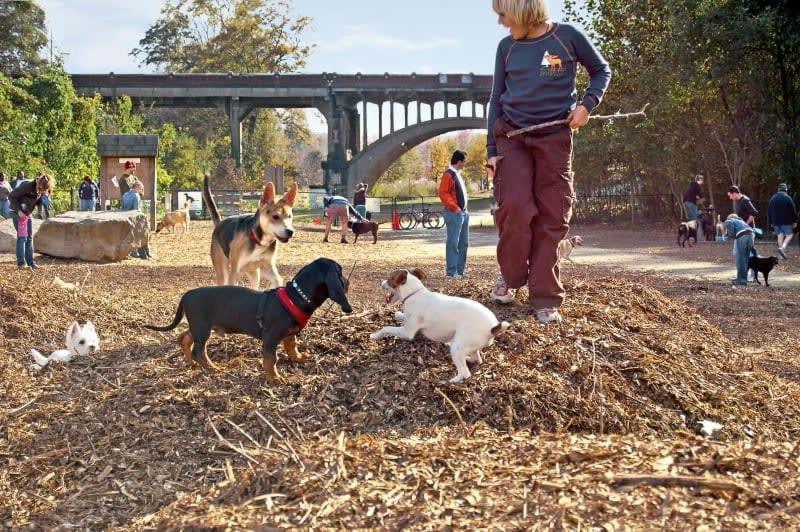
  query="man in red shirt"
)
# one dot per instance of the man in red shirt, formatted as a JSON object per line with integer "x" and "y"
{"x": 453, "y": 193}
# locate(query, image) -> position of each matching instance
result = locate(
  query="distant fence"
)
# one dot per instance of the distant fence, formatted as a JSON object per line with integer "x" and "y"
{"x": 615, "y": 209}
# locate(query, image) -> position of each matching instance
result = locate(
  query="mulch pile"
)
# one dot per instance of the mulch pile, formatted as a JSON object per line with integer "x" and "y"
{"x": 549, "y": 428}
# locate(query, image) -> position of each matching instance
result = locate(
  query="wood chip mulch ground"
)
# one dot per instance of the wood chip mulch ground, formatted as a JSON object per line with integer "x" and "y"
{"x": 592, "y": 424}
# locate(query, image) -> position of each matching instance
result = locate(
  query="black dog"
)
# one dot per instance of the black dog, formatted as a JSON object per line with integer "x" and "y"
{"x": 707, "y": 226}
{"x": 274, "y": 316}
{"x": 764, "y": 265}
{"x": 687, "y": 231}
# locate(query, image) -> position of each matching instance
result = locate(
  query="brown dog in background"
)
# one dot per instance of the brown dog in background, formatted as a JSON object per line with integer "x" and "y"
{"x": 363, "y": 227}
{"x": 174, "y": 219}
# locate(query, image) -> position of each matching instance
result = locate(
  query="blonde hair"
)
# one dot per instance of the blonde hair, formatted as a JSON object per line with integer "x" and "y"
{"x": 528, "y": 13}
{"x": 44, "y": 182}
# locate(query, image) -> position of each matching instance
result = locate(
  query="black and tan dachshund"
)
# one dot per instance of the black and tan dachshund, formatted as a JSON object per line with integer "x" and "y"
{"x": 274, "y": 316}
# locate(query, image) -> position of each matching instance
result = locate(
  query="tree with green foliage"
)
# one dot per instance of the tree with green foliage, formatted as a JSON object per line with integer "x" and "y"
{"x": 249, "y": 36}
{"x": 22, "y": 38}
{"x": 723, "y": 83}
{"x": 219, "y": 35}
{"x": 47, "y": 127}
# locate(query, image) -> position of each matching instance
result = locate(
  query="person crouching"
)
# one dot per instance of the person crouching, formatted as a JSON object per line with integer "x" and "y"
{"x": 743, "y": 246}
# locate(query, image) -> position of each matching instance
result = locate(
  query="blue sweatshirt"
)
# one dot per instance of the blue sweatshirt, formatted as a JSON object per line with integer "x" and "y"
{"x": 737, "y": 227}
{"x": 534, "y": 79}
{"x": 781, "y": 210}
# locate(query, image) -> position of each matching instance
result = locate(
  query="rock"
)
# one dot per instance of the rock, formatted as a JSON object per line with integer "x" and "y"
{"x": 8, "y": 236}
{"x": 92, "y": 236}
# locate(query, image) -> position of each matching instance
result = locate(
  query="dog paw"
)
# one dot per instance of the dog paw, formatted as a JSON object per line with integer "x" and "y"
{"x": 475, "y": 359}
{"x": 399, "y": 316}
{"x": 458, "y": 378}
{"x": 376, "y": 336}
{"x": 276, "y": 378}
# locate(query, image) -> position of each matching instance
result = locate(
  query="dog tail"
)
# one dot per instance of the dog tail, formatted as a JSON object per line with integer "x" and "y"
{"x": 212, "y": 207}
{"x": 175, "y": 322}
{"x": 39, "y": 358}
{"x": 500, "y": 328}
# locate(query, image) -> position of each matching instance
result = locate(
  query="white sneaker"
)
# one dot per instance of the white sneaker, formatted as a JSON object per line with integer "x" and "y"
{"x": 501, "y": 292}
{"x": 548, "y": 315}
{"x": 782, "y": 251}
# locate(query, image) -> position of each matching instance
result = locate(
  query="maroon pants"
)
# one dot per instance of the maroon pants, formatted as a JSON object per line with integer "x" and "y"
{"x": 534, "y": 194}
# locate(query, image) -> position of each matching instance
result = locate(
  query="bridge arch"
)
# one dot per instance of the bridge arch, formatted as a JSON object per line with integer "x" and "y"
{"x": 371, "y": 163}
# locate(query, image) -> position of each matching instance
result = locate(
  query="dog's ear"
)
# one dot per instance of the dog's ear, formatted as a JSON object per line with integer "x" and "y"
{"x": 336, "y": 291}
{"x": 89, "y": 327}
{"x": 419, "y": 273}
{"x": 268, "y": 197}
{"x": 397, "y": 278}
{"x": 290, "y": 197}
{"x": 73, "y": 331}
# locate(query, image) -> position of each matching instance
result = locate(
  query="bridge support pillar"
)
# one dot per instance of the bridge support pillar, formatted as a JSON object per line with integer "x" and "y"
{"x": 237, "y": 112}
{"x": 335, "y": 166}
{"x": 365, "y": 139}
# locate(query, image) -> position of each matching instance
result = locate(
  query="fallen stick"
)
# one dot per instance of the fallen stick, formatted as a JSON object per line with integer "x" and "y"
{"x": 616, "y": 115}
{"x": 678, "y": 481}
{"x": 231, "y": 446}
{"x": 23, "y": 407}
{"x": 452, "y": 405}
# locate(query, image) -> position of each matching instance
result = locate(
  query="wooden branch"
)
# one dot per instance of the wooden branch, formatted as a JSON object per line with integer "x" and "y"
{"x": 616, "y": 115}
{"x": 231, "y": 446}
{"x": 679, "y": 481}
{"x": 23, "y": 407}
{"x": 452, "y": 405}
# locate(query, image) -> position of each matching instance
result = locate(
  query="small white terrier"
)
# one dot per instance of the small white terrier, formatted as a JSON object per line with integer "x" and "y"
{"x": 79, "y": 340}
{"x": 466, "y": 325}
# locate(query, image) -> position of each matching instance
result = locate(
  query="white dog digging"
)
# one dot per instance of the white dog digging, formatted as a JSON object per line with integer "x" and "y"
{"x": 80, "y": 341}
{"x": 466, "y": 325}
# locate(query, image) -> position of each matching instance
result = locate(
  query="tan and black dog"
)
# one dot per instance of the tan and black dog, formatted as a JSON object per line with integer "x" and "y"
{"x": 249, "y": 243}
{"x": 363, "y": 227}
{"x": 273, "y": 316}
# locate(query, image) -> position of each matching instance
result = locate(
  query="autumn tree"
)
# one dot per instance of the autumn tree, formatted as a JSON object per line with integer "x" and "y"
{"x": 249, "y": 36}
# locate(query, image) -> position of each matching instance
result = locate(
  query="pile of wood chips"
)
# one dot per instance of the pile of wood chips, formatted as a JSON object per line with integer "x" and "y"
{"x": 593, "y": 423}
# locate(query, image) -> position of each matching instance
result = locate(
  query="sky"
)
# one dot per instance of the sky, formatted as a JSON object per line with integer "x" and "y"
{"x": 367, "y": 36}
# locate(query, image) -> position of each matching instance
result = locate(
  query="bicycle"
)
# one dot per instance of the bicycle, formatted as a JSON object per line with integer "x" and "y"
{"x": 428, "y": 218}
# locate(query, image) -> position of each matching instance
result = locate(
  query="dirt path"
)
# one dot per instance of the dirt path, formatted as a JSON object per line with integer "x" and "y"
{"x": 484, "y": 241}
{"x": 676, "y": 267}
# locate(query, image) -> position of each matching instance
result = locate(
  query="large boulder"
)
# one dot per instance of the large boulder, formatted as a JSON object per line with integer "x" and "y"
{"x": 92, "y": 236}
{"x": 8, "y": 236}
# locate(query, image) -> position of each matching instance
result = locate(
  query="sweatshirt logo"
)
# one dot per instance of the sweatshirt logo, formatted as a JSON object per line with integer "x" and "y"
{"x": 551, "y": 66}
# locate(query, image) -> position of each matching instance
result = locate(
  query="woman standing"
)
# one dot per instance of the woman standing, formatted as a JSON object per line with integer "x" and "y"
{"x": 26, "y": 197}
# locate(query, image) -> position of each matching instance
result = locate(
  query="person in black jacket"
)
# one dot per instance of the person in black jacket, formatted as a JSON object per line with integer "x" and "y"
{"x": 88, "y": 194}
{"x": 692, "y": 197}
{"x": 744, "y": 206}
{"x": 782, "y": 214}
{"x": 26, "y": 197}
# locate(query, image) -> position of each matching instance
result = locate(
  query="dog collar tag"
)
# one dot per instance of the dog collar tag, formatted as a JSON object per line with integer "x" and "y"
{"x": 300, "y": 316}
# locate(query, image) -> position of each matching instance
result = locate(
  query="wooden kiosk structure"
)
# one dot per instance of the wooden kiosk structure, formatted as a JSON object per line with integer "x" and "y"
{"x": 114, "y": 152}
